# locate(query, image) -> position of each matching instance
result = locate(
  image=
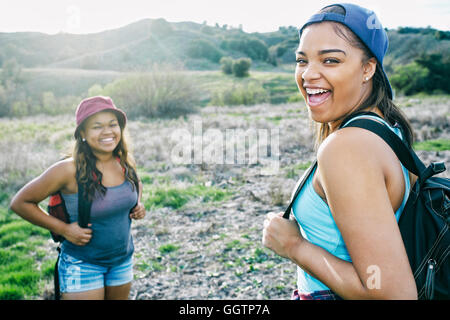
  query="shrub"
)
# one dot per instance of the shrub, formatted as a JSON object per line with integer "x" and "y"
{"x": 95, "y": 90}
{"x": 241, "y": 67}
{"x": 159, "y": 93}
{"x": 438, "y": 77}
{"x": 428, "y": 73}
{"x": 227, "y": 65}
{"x": 12, "y": 93}
{"x": 410, "y": 78}
{"x": 240, "y": 95}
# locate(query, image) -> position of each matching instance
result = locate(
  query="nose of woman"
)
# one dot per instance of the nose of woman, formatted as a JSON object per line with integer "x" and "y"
{"x": 310, "y": 72}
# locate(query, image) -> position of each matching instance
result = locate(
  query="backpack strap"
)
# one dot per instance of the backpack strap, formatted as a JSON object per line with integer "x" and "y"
{"x": 404, "y": 153}
{"x": 57, "y": 293}
{"x": 84, "y": 207}
{"x": 314, "y": 165}
{"x": 300, "y": 186}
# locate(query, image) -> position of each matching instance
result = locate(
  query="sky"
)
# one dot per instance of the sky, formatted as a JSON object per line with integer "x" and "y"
{"x": 90, "y": 16}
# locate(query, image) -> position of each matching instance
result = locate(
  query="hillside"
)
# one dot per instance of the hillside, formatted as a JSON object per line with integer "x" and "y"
{"x": 198, "y": 47}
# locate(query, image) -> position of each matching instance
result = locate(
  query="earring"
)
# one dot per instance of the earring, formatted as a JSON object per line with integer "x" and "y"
{"x": 84, "y": 140}
{"x": 367, "y": 79}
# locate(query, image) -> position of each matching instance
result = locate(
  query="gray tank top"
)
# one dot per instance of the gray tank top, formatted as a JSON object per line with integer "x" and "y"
{"x": 111, "y": 241}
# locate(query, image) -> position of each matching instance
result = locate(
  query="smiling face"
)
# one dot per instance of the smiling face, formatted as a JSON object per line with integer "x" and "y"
{"x": 102, "y": 132}
{"x": 330, "y": 74}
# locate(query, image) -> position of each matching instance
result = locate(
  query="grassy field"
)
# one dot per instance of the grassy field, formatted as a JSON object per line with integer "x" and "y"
{"x": 280, "y": 85}
{"x": 27, "y": 254}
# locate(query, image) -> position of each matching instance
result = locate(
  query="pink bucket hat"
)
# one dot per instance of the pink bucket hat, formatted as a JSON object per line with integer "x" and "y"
{"x": 93, "y": 105}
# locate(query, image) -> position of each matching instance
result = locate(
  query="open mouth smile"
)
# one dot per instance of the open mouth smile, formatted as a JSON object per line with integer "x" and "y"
{"x": 317, "y": 96}
{"x": 107, "y": 140}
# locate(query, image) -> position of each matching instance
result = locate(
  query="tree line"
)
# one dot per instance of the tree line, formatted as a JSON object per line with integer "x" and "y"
{"x": 168, "y": 93}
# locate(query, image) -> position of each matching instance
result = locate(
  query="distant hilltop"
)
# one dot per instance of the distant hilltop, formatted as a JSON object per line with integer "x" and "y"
{"x": 195, "y": 46}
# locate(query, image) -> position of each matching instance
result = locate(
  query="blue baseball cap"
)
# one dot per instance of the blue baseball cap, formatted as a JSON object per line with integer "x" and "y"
{"x": 365, "y": 24}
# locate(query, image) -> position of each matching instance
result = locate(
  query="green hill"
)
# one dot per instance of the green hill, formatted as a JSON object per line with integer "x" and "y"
{"x": 197, "y": 46}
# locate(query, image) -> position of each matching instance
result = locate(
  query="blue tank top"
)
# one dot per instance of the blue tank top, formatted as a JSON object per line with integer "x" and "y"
{"x": 318, "y": 227}
{"x": 111, "y": 241}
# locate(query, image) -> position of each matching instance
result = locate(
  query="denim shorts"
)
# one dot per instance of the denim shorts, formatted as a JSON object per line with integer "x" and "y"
{"x": 316, "y": 295}
{"x": 76, "y": 275}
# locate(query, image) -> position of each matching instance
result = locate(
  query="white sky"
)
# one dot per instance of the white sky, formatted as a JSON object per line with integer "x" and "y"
{"x": 89, "y": 16}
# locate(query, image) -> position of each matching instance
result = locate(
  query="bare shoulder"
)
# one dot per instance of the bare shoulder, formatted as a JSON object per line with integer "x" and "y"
{"x": 353, "y": 146}
{"x": 59, "y": 176}
{"x": 61, "y": 172}
{"x": 64, "y": 167}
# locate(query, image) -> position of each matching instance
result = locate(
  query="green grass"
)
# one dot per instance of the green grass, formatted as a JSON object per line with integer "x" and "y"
{"x": 292, "y": 172}
{"x": 153, "y": 266}
{"x": 433, "y": 145}
{"x": 17, "y": 231}
{"x": 22, "y": 264}
{"x": 168, "y": 248}
{"x": 177, "y": 197}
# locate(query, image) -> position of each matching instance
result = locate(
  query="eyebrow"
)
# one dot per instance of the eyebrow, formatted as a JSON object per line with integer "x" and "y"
{"x": 321, "y": 52}
{"x": 112, "y": 120}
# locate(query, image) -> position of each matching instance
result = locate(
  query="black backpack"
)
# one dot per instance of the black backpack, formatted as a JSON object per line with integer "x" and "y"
{"x": 425, "y": 219}
{"x": 57, "y": 208}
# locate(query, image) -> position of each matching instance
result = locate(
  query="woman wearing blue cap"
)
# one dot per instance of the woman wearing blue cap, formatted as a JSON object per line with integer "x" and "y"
{"x": 349, "y": 245}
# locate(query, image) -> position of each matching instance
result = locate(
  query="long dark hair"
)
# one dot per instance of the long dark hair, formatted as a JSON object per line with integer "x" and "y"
{"x": 86, "y": 169}
{"x": 379, "y": 96}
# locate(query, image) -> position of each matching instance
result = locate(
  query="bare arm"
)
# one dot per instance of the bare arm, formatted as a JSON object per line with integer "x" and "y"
{"x": 283, "y": 237}
{"x": 25, "y": 203}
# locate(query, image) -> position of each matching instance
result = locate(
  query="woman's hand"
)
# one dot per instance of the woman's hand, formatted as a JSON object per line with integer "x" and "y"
{"x": 77, "y": 235}
{"x": 281, "y": 235}
{"x": 138, "y": 212}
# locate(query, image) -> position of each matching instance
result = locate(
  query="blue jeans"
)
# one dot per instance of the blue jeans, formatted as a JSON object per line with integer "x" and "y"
{"x": 77, "y": 276}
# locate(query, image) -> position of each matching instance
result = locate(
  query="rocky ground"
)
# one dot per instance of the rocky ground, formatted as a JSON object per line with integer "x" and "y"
{"x": 212, "y": 250}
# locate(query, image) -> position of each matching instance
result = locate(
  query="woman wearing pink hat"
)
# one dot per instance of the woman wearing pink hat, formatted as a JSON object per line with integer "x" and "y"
{"x": 95, "y": 260}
